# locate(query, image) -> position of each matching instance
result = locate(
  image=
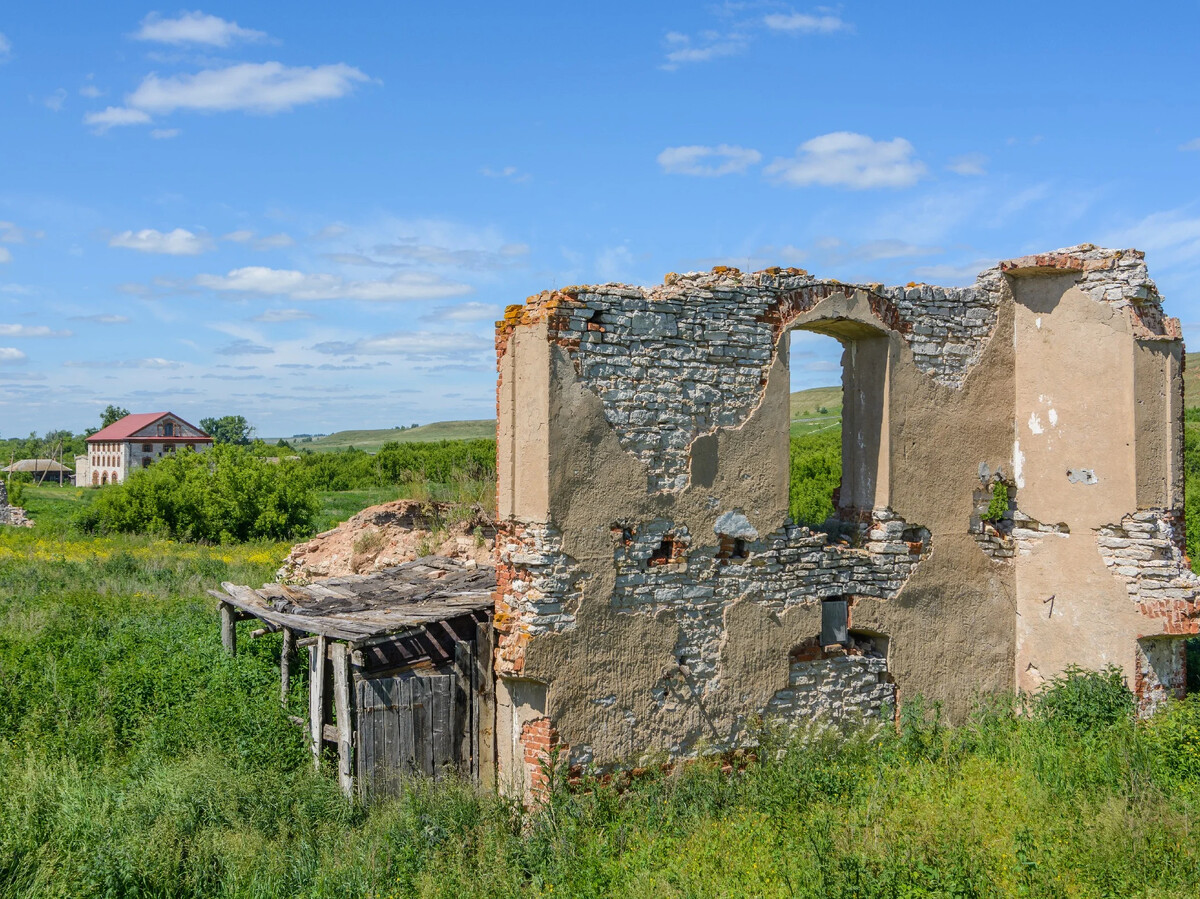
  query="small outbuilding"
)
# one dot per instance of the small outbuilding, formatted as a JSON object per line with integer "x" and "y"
{"x": 399, "y": 668}
{"x": 42, "y": 470}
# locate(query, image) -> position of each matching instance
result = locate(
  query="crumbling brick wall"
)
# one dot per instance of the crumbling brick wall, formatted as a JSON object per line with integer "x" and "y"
{"x": 649, "y": 578}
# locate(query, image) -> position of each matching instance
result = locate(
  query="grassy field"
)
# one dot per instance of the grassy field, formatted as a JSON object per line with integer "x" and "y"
{"x": 806, "y": 406}
{"x": 370, "y": 441}
{"x": 137, "y": 760}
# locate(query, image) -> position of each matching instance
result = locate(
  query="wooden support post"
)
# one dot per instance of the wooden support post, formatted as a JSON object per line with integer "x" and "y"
{"x": 316, "y": 698}
{"x": 229, "y": 628}
{"x": 343, "y": 716}
{"x": 485, "y": 707}
{"x": 285, "y": 663}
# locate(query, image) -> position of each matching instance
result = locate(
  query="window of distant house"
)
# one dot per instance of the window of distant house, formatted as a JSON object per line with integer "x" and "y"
{"x": 147, "y": 447}
{"x": 168, "y": 429}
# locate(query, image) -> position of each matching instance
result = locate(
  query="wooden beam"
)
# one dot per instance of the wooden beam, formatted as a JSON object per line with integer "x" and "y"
{"x": 485, "y": 708}
{"x": 343, "y": 717}
{"x": 316, "y": 699}
{"x": 228, "y": 629}
{"x": 285, "y": 663}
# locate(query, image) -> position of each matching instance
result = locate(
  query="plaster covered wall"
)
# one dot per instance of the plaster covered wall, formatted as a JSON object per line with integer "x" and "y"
{"x": 654, "y": 599}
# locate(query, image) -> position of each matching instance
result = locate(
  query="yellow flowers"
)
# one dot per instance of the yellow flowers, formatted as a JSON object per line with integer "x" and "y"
{"x": 29, "y": 547}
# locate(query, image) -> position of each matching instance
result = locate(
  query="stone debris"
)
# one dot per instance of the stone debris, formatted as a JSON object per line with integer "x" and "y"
{"x": 14, "y": 516}
{"x": 391, "y": 534}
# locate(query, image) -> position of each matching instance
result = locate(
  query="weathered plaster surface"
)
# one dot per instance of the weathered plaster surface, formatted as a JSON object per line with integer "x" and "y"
{"x": 652, "y": 588}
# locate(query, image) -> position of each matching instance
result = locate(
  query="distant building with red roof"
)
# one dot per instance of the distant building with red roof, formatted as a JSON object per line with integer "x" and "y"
{"x": 134, "y": 442}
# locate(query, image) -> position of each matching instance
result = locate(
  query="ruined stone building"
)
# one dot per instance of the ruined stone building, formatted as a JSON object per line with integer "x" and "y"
{"x": 653, "y": 598}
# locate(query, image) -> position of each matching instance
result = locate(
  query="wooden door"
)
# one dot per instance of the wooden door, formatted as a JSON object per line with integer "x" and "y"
{"x": 408, "y": 725}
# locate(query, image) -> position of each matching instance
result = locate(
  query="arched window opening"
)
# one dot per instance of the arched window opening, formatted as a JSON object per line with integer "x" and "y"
{"x": 838, "y": 429}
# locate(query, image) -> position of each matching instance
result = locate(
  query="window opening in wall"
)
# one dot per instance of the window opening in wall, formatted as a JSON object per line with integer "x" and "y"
{"x": 838, "y": 436}
{"x": 732, "y": 549}
{"x": 147, "y": 447}
{"x": 168, "y": 429}
{"x": 672, "y": 549}
{"x": 834, "y": 618}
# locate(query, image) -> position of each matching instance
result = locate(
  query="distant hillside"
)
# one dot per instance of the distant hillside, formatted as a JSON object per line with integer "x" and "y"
{"x": 807, "y": 406}
{"x": 373, "y": 440}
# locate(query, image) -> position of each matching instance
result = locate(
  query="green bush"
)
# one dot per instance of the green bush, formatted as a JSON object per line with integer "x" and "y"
{"x": 998, "y": 505}
{"x": 17, "y": 482}
{"x": 816, "y": 471}
{"x": 223, "y": 495}
{"x": 1086, "y": 700}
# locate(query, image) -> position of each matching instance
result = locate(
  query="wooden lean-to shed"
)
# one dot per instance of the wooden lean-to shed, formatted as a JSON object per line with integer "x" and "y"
{"x": 399, "y": 668}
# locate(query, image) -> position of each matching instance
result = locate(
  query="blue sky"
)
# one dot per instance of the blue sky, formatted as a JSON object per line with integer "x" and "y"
{"x": 311, "y": 214}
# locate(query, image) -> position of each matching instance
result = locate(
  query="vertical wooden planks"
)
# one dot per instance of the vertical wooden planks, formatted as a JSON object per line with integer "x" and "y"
{"x": 340, "y": 660}
{"x": 441, "y": 715}
{"x": 228, "y": 628}
{"x": 285, "y": 663}
{"x": 463, "y": 736}
{"x": 316, "y": 698}
{"x": 483, "y": 689}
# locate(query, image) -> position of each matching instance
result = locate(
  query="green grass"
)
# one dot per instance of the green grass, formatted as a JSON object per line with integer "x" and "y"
{"x": 370, "y": 441}
{"x": 337, "y": 506}
{"x": 806, "y": 406}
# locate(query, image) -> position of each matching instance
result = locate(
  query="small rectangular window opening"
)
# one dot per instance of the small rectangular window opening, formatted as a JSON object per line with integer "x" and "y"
{"x": 834, "y": 613}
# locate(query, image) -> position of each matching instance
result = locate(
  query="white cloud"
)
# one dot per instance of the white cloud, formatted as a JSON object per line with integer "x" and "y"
{"x": 5, "y": 255}
{"x": 711, "y": 45}
{"x": 10, "y": 355}
{"x": 165, "y": 133}
{"x": 306, "y": 286}
{"x": 239, "y": 236}
{"x": 846, "y": 159}
{"x": 244, "y": 347}
{"x": 968, "y": 164}
{"x": 426, "y": 345}
{"x": 872, "y": 250}
{"x": 822, "y": 22}
{"x": 56, "y": 100}
{"x": 509, "y": 171}
{"x": 954, "y": 275}
{"x": 90, "y": 91}
{"x": 5, "y": 48}
{"x": 264, "y": 87}
{"x": 152, "y": 362}
{"x": 11, "y": 233}
{"x": 103, "y": 318}
{"x": 1171, "y": 238}
{"x": 722, "y": 159}
{"x": 274, "y": 242}
{"x": 466, "y": 312}
{"x": 194, "y": 28}
{"x": 179, "y": 242}
{"x": 114, "y": 116}
{"x": 275, "y": 316}
{"x": 7, "y": 330}
{"x": 1191, "y": 145}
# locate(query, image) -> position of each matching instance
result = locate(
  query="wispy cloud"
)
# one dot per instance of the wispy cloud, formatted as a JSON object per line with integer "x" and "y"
{"x": 709, "y": 45}
{"x": 165, "y": 133}
{"x": 102, "y": 318}
{"x": 968, "y": 164}
{"x": 8, "y": 330}
{"x": 820, "y": 22}
{"x": 266, "y": 88}
{"x": 55, "y": 101}
{"x": 5, "y": 255}
{"x": 114, "y": 116}
{"x": 510, "y": 172}
{"x": 1191, "y": 145}
{"x": 151, "y": 362}
{"x": 5, "y": 48}
{"x": 194, "y": 28}
{"x": 277, "y": 316}
{"x": 846, "y": 159}
{"x": 425, "y": 345}
{"x": 244, "y": 347}
{"x": 179, "y": 242}
{"x": 12, "y": 233}
{"x": 723, "y": 159}
{"x": 465, "y": 312}
{"x": 321, "y": 286}
{"x": 10, "y": 355}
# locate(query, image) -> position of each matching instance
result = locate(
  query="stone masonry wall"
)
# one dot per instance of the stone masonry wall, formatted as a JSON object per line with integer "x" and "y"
{"x": 835, "y": 686}
{"x": 1145, "y": 550}
{"x": 682, "y": 360}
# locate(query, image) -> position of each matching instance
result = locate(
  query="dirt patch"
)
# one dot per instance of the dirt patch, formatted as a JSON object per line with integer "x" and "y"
{"x": 392, "y": 534}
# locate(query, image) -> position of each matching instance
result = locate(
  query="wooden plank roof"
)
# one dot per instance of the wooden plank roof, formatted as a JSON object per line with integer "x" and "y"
{"x": 361, "y": 607}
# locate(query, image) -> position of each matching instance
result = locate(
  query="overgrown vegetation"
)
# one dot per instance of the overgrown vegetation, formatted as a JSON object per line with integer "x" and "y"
{"x": 223, "y": 495}
{"x": 816, "y": 471}
{"x": 138, "y": 760}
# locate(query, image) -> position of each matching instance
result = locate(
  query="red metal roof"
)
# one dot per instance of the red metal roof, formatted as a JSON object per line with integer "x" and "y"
{"x": 126, "y": 427}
